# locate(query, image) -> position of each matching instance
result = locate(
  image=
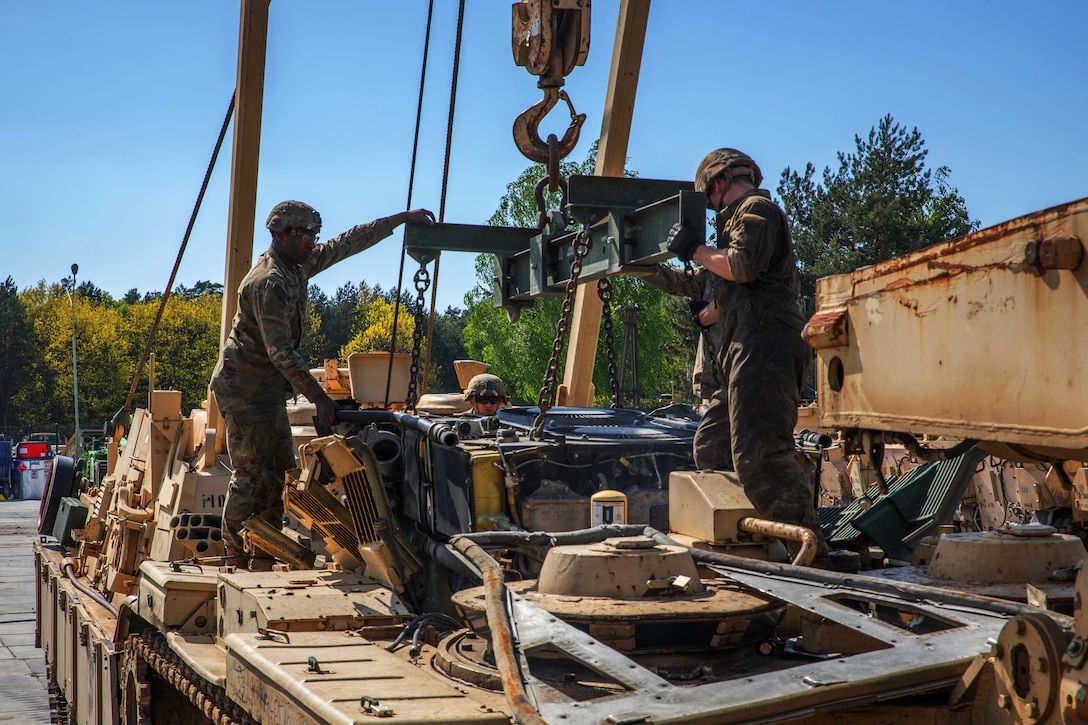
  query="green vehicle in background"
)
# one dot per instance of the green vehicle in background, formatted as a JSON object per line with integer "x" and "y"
{"x": 7, "y": 469}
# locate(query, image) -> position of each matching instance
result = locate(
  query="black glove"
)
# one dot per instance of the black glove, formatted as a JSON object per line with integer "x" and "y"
{"x": 697, "y": 306}
{"x": 683, "y": 242}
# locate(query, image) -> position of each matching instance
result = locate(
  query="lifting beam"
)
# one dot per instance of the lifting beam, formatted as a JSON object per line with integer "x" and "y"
{"x": 629, "y": 220}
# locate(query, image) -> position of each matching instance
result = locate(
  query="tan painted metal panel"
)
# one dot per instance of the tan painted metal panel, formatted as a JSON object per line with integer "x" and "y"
{"x": 275, "y": 682}
{"x": 83, "y": 708}
{"x": 964, "y": 339}
{"x": 47, "y": 609}
{"x": 304, "y": 600}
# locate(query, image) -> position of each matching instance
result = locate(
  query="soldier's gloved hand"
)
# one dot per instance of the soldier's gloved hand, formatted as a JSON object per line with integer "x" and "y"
{"x": 697, "y": 306}
{"x": 326, "y": 409}
{"x": 683, "y": 242}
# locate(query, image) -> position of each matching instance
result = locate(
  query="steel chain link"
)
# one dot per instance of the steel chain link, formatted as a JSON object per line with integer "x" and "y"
{"x": 604, "y": 291}
{"x": 579, "y": 248}
{"x": 422, "y": 281}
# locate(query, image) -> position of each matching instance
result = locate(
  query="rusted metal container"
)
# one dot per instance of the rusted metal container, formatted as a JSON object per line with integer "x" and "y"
{"x": 982, "y": 337}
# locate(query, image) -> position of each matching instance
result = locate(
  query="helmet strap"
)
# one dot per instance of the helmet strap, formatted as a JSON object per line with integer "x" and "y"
{"x": 727, "y": 178}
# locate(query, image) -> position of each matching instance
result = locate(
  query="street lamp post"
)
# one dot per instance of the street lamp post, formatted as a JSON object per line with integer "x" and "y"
{"x": 70, "y": 288}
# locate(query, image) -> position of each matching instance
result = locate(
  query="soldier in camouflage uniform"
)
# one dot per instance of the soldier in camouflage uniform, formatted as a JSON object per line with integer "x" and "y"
{"x": 748, "y": 427}
{"x": 698, "y": 286}
{"x": 260, "y": 365}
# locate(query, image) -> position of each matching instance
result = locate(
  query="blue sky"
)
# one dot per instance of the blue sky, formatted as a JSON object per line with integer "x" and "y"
{"x": 111, "y": 110}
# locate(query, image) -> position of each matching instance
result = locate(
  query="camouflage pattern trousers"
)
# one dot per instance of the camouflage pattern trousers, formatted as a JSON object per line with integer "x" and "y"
{"x": 748, "y": 426}
{"x": 261, "y": 452}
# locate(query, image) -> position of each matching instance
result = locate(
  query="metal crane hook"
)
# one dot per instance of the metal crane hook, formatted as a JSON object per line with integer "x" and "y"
{"x": 527, "y": 134}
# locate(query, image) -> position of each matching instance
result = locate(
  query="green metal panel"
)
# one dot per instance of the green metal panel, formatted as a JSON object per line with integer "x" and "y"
{"x": 71, "y": 515}
{"x": 626, "y": 237}
{"x": 589, "y": 198}
{"x": 916, "y": 504}
{"x": 631, "y": 221}
{"x": 424, "y": 242}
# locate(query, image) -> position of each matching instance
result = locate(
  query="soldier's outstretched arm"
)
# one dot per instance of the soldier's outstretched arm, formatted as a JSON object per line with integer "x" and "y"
{"x": 426, "y": 216}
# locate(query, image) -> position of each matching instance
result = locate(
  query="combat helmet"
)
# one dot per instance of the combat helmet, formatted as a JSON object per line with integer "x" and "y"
{"x": 726, "y": 163}
{"x": 293, "y": 215}
{"x": 485, "y": 384}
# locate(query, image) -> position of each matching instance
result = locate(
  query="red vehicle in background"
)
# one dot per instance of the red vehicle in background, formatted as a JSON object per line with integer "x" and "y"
{"x": 33, "y": 464}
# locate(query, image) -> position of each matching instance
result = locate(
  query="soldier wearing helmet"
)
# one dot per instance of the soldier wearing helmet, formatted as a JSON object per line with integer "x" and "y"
{"x": 485, "y": 394}
{"x": 260, "y": 365}
{"x": 748, "y": 426}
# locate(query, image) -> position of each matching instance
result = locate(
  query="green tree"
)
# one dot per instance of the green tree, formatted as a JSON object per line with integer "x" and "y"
{"x": 372, "y": 327}
{"x": 18, "y": 342}
{"x": 517, "y": 353}
{"x": 314, "y": 343}
{"x": 448, "y": 344}
{"x": 330, "y": 324}
{"x": 881, "y": 203}
{"x": 186, "y": 345}
{"x": 202, "y": 287}
{"x": 31, "y": 397}
{"x": 100, "y": 354}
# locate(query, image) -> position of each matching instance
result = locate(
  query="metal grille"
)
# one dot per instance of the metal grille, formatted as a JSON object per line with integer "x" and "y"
{"x": 362, "y": 505}
{"x": 324, "y": 515}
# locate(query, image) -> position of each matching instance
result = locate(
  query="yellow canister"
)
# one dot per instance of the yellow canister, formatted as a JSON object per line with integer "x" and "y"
{"x": 608, "y": 507}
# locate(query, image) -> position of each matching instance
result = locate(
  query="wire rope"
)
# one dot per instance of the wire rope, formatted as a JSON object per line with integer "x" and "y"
{"x": 445, "y": 182}
{"x": 408, "y": 205}
{"x": 177, "y": 263}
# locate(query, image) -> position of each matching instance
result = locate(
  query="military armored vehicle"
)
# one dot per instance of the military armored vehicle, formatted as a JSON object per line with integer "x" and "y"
{"x": 444, "y": 568}
{"x": 566, "y": 564}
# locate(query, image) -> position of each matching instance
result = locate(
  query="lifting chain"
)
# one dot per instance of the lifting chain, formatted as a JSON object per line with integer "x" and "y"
{"x": 604, "y": 291}
{"x": 422, "y": 281}
{"x": 579, "y": 249}
{"x": 630, "y": 354}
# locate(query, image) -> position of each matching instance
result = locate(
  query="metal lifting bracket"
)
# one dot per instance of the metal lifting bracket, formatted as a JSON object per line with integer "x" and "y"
{"x": 630, "y": 219}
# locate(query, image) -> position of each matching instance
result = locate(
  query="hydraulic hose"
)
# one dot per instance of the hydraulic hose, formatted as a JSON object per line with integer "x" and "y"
{"x": 70, "y": 572}
{"x": 502, "y": 631}
{"x": 779, "y": 530}
{"x": 436, "y": 431}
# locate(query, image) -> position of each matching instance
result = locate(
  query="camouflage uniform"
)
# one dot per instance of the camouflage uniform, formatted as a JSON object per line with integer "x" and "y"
{"x": 696, "y": 285}
{"x": 749, "y": 424}
{"x": 260, "y": 367}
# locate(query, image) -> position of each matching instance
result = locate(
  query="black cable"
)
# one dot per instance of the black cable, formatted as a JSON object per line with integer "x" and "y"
{"x": 445, "y": 183}
{"x": 177, "y": 262}
{"x": 408, "y": 205}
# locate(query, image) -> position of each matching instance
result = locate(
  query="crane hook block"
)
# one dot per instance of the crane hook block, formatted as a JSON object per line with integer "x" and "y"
{"x": 550, "y": 37}
{"x": 527, "y": 131}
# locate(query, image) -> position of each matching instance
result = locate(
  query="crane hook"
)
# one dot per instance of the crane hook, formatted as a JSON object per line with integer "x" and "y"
{"x": 527, "y": 134}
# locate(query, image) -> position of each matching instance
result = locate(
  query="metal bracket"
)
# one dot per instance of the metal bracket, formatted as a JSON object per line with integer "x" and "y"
{"x": 908, "y": 662}
{"x": 630, "y": 220}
